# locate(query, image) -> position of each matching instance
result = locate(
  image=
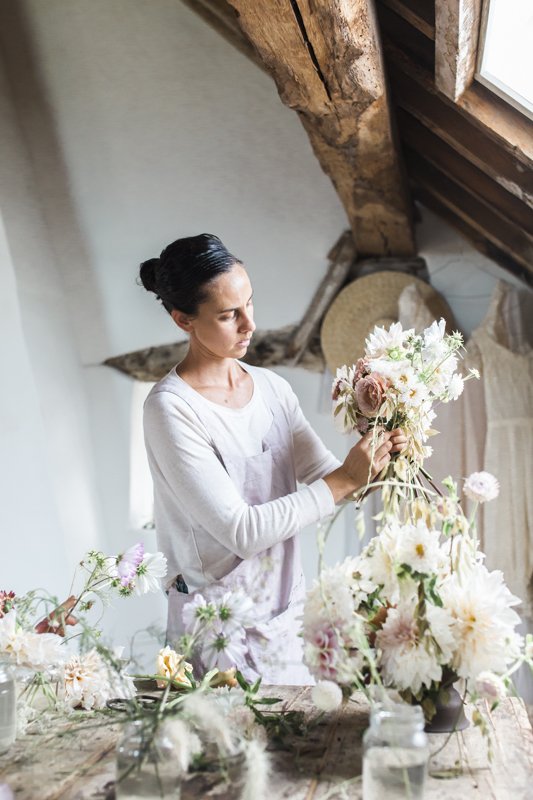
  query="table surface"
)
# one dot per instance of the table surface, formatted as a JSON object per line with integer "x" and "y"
{"x": 80, "y": 765}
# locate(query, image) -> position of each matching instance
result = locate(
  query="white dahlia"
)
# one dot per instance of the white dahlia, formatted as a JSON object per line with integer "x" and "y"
{"x": 484, "y": 622}
{"x": 419, "y": 548}
{"x": 409, "y": 660}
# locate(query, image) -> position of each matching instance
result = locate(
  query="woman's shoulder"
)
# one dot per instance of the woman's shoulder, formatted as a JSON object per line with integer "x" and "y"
{"x": 168, "y": 395}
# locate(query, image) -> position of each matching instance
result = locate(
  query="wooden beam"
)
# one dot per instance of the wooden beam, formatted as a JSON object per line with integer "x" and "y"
{"x": 478, "y": 116}
{"x": 509, "y": 167}
{"x": 476, "y": 214}
{"x": 435, "y": 150}
{"x": 418, "y": 13}
{"x": 342, "y": 258}
{"x": 269, "y": 348}
{"x": 457, "y": 24}
{"x": 326, "y": 60}
{"x": 397, "y": 29}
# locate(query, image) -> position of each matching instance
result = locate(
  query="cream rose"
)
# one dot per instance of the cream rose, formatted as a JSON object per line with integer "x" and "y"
{"x": 172, "y": 666}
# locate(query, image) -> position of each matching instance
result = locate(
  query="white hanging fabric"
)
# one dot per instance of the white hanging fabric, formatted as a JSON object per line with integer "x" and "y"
{"x": 490, "y": 428}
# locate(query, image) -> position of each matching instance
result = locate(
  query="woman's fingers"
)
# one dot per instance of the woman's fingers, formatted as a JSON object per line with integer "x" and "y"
{"x": 398, "y": 439}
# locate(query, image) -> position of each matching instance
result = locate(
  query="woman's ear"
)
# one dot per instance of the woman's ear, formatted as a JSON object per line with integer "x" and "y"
{"x": 182, "y": 320}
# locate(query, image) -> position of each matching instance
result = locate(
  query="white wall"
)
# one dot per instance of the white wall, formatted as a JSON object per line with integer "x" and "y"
{"x": 134, "y": 124}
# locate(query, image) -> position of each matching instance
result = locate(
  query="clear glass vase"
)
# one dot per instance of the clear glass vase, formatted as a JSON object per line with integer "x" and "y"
{"x": 147, "y": 763}
{"x": 395, "y": 753}
{"x": 8, "y": 708}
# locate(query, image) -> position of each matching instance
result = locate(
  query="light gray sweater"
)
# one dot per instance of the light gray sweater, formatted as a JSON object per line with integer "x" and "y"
{"x": 203, "y": 524}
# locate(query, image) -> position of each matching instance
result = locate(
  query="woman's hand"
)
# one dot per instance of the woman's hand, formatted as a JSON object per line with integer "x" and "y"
{"x": 362, "y": 465}
{"x": 398, "y": 439}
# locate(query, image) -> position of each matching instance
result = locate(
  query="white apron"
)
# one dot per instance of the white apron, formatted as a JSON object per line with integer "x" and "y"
{"x": 273, "y": 578}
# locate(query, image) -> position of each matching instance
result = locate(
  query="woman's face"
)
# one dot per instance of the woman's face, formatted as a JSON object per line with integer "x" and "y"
{"x": 224, "y": 323}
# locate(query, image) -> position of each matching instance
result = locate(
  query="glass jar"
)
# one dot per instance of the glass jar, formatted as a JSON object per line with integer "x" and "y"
{"x": 147, "y": 763}
{"x": 395, "y": 753}
{"x": 8, "y": 708}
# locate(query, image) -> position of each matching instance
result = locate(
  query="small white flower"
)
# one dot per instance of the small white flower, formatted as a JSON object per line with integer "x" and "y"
{"x": 481, "y": 487}
{"x": 198, "y": 612}
{"x": 234, "y": 610}
{"x": 490, "y": 686}
{"x": 455, "y": 387}
{"x": 419, "y": 548}
{"x": 381, "y": 342}
{"x": 435, "y": 333}
{"x": 414, "y": 394}
{"x": 326, "y": 695}
{"x": 149, "y": 572}
{"x": 223, "y": 650}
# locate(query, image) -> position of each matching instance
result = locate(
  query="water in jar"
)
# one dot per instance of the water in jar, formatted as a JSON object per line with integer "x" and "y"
{"x": 8, "y": 713}
{"x": 394, "y": 773}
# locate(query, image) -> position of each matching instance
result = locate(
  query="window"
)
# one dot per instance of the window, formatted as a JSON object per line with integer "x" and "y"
{"x": 505, "y": 56}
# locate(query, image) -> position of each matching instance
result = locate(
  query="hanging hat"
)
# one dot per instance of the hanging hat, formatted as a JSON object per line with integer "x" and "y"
{"x": 365, "y": 303}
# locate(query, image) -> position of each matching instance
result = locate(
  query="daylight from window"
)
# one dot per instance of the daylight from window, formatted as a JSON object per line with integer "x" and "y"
{"x": 506, "y": 61}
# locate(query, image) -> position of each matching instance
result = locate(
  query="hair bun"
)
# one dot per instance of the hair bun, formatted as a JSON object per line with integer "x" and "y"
{"x": 147, "y": 274}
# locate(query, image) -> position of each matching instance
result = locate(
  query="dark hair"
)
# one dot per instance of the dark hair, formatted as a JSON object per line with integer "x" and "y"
{"x": 181, "y": 274}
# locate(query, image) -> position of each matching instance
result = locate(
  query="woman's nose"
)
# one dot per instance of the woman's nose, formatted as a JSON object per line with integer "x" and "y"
{"x": 248, "y": 323}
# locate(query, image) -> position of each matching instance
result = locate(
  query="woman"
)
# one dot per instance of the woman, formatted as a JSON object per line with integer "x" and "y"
{"x": 227, "y": 444}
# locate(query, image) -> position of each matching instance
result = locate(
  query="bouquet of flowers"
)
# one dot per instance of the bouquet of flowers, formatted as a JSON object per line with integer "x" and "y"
{"x": 416, "y": 611}
{"x": 34, "y": 631}
{"x": 395, "y": 385}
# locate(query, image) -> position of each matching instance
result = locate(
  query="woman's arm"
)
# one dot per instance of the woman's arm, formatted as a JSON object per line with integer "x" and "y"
{"x": 188, "y": 473}
{"x": 313, "y": 460}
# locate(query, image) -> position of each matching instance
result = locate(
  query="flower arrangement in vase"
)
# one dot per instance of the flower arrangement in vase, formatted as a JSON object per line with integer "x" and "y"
{"x": 417, "y": 610}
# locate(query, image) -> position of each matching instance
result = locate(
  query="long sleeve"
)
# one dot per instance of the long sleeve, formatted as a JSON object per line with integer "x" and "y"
{"x": 189, "y": 476}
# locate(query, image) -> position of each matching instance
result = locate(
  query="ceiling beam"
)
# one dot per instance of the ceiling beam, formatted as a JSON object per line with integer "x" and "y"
{"x": 506, "y": 160}
{"x": 326, "y": 60}
{"x": 456, "y": 41}
{"x": 494, "y": 234}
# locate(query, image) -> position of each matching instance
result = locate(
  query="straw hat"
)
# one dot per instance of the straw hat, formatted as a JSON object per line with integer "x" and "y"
{"x": 365, "y": 303}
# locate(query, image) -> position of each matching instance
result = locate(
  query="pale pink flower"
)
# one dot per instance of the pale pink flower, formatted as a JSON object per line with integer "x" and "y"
{"x": 481, "y": 487}
{"x": 369, "y": 392}
{"x": 490, "y": 686}
{"x": 128, "y": 562}
{"x": 322, "y": 652}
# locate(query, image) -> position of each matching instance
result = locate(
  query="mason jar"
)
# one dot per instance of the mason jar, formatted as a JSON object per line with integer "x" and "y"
{"x": 395, "y": 753}
{"x": 8, "y": 708}
{"x": 147, "y": 764}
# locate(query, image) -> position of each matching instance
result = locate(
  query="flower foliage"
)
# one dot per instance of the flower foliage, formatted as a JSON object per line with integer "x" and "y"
{"x": 416, "y": 609}
{"x": 396, "y": 384}
{"x": 34, "y": 630}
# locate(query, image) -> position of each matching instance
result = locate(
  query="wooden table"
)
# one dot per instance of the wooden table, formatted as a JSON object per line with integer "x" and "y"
{"x": 80, "y": 765}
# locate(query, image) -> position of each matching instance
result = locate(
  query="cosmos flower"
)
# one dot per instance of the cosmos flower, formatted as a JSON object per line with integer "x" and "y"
{"x": 148, "y": 573}
{"x": 128, "y": 562}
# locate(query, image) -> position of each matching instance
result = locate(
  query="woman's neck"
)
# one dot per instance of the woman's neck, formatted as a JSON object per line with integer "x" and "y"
{"x": 202, "y": 370}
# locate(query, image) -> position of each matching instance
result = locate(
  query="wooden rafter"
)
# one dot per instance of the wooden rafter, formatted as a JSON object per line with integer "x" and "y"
{"x": 326, "y": 60}
{"x": 456, "y": 38}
